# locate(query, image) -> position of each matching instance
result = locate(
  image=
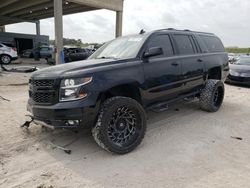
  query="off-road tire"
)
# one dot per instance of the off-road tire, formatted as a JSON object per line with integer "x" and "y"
{"x": 106, "y": 113}
{"x": 4, "y": 58}
{"x": 212, "y": 95}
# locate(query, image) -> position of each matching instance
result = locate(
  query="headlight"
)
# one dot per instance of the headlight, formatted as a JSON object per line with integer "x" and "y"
{"x": 71, "y": 89}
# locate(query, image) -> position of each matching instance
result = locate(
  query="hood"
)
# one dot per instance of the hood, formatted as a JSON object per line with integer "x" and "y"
{"x": 65, "y": 69}
{"x": 240, "y": 68}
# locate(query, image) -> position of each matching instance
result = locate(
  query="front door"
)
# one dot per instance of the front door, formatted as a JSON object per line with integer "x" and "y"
{"x": 162, "y": 72}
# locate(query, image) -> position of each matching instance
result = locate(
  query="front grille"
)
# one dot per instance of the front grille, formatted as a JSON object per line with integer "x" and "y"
{"x": 42, "y": 83}
{"x": 43, "y": 91}
{"x": 47, "y": 98}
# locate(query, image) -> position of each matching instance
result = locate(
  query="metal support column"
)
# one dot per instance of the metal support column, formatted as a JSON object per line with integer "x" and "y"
{"x": 118, "y": 31}
{"x": 37, "y": 27}
{"x": 2, "y": 28}
{"x": 58, "y": 31}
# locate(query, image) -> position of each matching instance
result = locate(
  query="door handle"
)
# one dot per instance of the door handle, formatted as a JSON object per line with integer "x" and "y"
{"x": 199, "y": 60}
{"x": 174, "y": 64}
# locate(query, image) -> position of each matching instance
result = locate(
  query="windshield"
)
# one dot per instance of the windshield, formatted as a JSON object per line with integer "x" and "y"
{"x": 243, "y": 61}
{"x": 120, "y": 48}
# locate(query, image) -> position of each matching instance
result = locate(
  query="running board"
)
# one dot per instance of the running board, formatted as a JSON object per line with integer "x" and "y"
{"x": 163, "y": 106}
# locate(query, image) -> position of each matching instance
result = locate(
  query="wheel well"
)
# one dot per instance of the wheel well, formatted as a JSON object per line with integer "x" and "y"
{"x": 5, "y": 54}
{"x": 126, "y": 90}
{"x": 214, "y": 73}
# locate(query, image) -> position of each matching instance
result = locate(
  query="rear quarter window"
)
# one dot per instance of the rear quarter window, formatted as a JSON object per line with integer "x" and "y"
{"x": 213, "y": 44}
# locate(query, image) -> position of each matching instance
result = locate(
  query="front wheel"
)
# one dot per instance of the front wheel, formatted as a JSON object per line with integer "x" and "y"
{"x": 5, "y": 59}
{"x": 212, "y": 96}
{"x": 121, "y": 125}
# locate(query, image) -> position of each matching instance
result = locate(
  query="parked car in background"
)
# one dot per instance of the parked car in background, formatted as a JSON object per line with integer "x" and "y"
{"x": 39, "y": 52}
{"x": 73, "y": 54}
{"x": 7, "y": 53}
{"x": 240, "y": 71}
{"x": 76, "y": 54}
{"x": 232, "y": 58}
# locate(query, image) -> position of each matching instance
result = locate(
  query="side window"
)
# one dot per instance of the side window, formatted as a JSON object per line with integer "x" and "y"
{"x": 44, "y": 49}
{"x": 184, "y": 44}
{"x": 1, "y": 45}
{"x": 164, "y": 42}
{"x": 213, "y": 44}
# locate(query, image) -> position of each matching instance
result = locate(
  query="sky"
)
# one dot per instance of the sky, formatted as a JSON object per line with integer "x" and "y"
{"x": 228, "y": 19}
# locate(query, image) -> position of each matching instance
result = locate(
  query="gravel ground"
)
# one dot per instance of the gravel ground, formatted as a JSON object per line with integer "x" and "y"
{"x": 183, "y": 147}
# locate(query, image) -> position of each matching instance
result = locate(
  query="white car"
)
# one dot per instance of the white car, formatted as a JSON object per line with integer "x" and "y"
{"x": 7, "y": 54}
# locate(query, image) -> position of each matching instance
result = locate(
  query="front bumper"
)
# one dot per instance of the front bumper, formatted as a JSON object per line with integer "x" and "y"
{"x": 238, "y": 80}
{"x": 63, "y": 115}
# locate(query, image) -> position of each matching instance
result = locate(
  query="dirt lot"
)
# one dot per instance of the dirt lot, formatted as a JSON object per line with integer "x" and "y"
{"x": 183, "y": 147}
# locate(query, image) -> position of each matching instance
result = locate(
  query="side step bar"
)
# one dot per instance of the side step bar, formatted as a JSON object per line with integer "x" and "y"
{"x": 163, "y": 106}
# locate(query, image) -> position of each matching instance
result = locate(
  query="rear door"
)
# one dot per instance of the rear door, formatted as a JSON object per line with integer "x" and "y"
{"x": 162, "y": 72}
{"x": 191, "y": 62}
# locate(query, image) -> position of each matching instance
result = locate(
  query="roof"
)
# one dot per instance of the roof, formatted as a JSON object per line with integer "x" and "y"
{"x": 15, "y": 11}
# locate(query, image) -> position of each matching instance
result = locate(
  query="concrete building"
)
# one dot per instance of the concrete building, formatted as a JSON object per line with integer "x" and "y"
{"x": 23, "y": 41}
{"x": 16, "y": 11}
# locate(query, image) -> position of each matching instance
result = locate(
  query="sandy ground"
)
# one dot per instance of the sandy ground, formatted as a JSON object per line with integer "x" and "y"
{"x": 183, "y": 147}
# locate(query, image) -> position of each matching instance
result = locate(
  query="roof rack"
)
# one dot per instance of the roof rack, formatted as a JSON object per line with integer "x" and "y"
{"x": 187, "y": 30}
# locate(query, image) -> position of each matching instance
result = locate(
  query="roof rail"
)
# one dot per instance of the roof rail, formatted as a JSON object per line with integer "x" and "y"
{"x": 187, "y": 30}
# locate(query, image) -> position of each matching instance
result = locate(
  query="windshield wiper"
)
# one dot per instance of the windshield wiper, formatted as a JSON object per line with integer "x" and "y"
{"x": 107, "y": 57}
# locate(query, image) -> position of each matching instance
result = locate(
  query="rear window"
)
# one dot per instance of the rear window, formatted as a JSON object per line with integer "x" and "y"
{"x": 184, "y": 44}
{"x": 213, "y": 44}
{"x": 44, "y": 49}
{"x": 8, "y": 45}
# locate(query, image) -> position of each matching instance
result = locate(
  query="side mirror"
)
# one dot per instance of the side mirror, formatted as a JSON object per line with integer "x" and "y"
{"x": 154, "y": 51}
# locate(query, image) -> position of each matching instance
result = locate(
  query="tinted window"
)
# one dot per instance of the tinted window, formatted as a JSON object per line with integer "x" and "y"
{"x": 184, "y": 44}
{"x": 213, "y": 44}
{"x": 44, "y": 49}
{"x": 8, "y": 45}
{"x": 164, "y": 42}
{"x": 80, "y": 50}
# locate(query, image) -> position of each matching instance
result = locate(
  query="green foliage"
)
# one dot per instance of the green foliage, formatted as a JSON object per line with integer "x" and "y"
{"x": 238, "y": 50}
{"x": 73, "y": 42}
{"x": 67, "y": 41}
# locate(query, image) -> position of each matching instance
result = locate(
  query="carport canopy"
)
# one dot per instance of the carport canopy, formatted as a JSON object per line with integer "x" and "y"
{"x": 16, "y": 11}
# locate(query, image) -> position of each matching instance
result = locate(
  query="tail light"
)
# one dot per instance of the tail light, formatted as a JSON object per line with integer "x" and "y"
{"x": 14, "y": 49}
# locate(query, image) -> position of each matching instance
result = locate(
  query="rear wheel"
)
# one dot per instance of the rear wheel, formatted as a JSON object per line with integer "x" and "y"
{"x": 212, "y": 96}
{"x": 121, "y": 125}
{"x": 5, "y": 59}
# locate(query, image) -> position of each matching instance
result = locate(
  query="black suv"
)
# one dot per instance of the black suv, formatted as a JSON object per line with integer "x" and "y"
{"x": 112, "y": 89}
